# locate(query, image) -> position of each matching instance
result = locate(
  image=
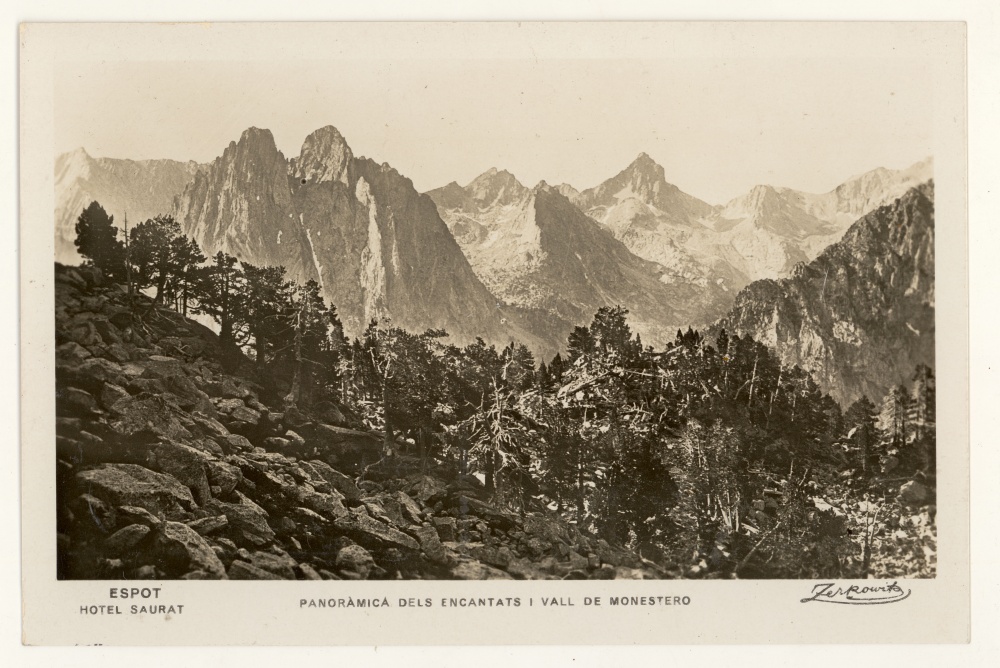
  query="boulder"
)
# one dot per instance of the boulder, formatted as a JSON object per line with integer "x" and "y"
{"x": 184, "y": 463}
{"x": 425, "y": 487}
{"x": 209, "y": 425}
{"x": 276, "y": 443}
{"x": 71, "y": 352}
{"x": 245, "y": 415}
{"x": 335, "y": 479}
{"x": 347, "y": 449}
{"x": 410, "y": 510}
{"x": 494, "y": 517}
{"x": 227, "y": 406}
{"x": 162, "y": 367}
{"x": 447, "y": 528}
{"x": 125, "y": 539}
{"x": 501, "y": 557}
{"x": 241, "y": 570}
{"x": 547, "y": 528}
{"x": 234, "y": 443}
{"x": 430, "y": 544}
{"x": 223, "y": 475}
{"x": 309, "y": 573}
{"x": 137, "y": 515}
{"x": 93, "y": 513}
{"x": 247, "y": 522}
{"x": 133, "y": 485}
{"x": 474, "y": 570}
{"x": 118, "y": 352}
{"x": 112, "y": 394}
{"x": 147, "y": 385}
{"x": 368, "y": 531}
{"x": 181, "y": 550}
{"x": 355, "y": 562}
{"x": 207, "y": 525}
{"x": 327, "y": 505}
{"x": 71, "y": 401}
{"x": 227, "y": 388}
{"x": 282, "y": 566}
{"x": 148, "y": 413}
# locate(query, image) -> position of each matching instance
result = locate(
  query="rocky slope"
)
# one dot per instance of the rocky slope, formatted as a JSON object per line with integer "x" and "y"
{"x": 140, "y": 188}
{"x": 859, "y": 317}
{"x": 376, "y": 246}
{"x": 169, "y": 468}
{"x": 536, "y": 251}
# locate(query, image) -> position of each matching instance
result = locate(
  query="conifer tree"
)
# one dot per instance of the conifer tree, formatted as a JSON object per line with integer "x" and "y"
{"x": 97, "y": 241}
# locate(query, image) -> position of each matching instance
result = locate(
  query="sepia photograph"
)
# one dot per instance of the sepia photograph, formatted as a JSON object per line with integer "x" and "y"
{"x": 318, "y": 365}
{"x": 490, "y": 314}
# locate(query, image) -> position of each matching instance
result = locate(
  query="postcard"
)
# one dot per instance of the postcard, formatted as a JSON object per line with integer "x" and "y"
{"x": 467, "y": 333}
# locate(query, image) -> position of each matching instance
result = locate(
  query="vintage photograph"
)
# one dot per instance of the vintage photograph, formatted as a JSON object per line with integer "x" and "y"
{"x": 495, "y": 318}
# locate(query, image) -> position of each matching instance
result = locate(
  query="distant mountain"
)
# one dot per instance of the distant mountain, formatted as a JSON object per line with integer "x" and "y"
{"x": 762, "y": 234}
{"x": 766, "y": 232}
{"x": 140, "y": 188}
{"x": 376, "y": 246}
{"x": 860, "y": 316}
{"x": 659, "y": 222}
{"x": 538, "y": 252}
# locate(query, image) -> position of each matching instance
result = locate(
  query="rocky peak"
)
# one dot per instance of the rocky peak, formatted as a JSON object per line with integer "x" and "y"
{"x": 325, "y": 156}
{"x": 495, "y": 187}
{"x": 254, "y": 138}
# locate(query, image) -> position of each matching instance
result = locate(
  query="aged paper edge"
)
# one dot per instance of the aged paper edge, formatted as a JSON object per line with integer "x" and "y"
{"x": 268, "y": 613}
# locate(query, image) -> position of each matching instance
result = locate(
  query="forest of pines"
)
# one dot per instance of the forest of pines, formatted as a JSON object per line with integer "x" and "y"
{"x": 707, "y": 457}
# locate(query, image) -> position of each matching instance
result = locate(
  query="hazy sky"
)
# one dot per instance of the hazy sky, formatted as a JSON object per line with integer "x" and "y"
{"x": 718, "y": 126}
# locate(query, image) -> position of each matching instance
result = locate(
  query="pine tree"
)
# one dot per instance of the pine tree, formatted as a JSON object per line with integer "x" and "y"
{"x": 269, "y": 308}
{"x": 219, "y": 291}
{"x": 97, "y": 241}
{"x": 159, "y": 254}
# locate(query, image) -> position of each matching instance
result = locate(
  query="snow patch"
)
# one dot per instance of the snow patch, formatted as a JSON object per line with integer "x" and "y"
{"x": 910, "y": 327}
{"x": 312, "y": 250}
{"x": 279, "y": 237}
{"x": 372, "y": 265}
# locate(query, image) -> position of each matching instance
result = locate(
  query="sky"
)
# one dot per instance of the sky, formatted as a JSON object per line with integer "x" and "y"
{"x": 718, "y": 125}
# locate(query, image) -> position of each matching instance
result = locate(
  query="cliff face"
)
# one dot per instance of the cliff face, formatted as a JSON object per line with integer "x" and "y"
{"x": 140, "y": 188}
{"x": 860, "y": 316}
{"x": 376, "y": 246}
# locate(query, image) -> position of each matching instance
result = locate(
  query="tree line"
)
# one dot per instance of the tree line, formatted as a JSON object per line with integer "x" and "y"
{"x": 709, "y": 458}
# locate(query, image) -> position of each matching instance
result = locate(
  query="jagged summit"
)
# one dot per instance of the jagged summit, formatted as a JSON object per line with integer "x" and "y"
{"x": 324, "y": 156}
{"x": 261, "y": 136}
{"x": 495, "y": 187}
{"x": 375, "y": 246}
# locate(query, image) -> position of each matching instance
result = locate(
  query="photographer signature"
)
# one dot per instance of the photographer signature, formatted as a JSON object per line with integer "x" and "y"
{"x": 831, "y": 592}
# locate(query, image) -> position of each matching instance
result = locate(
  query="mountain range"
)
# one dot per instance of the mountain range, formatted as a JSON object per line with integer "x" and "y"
{"x": 860, "y": 317}
{"x": 497, "y": 259}
{"x": 376, "y": 246}
{"x": 140, "y": 188}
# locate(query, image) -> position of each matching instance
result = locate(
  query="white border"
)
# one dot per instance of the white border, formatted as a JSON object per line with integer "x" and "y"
{"x": 983, "y": 107}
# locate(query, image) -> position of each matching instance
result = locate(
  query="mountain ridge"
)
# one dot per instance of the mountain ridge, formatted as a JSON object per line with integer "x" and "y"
{"x": 860, "y": 317}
